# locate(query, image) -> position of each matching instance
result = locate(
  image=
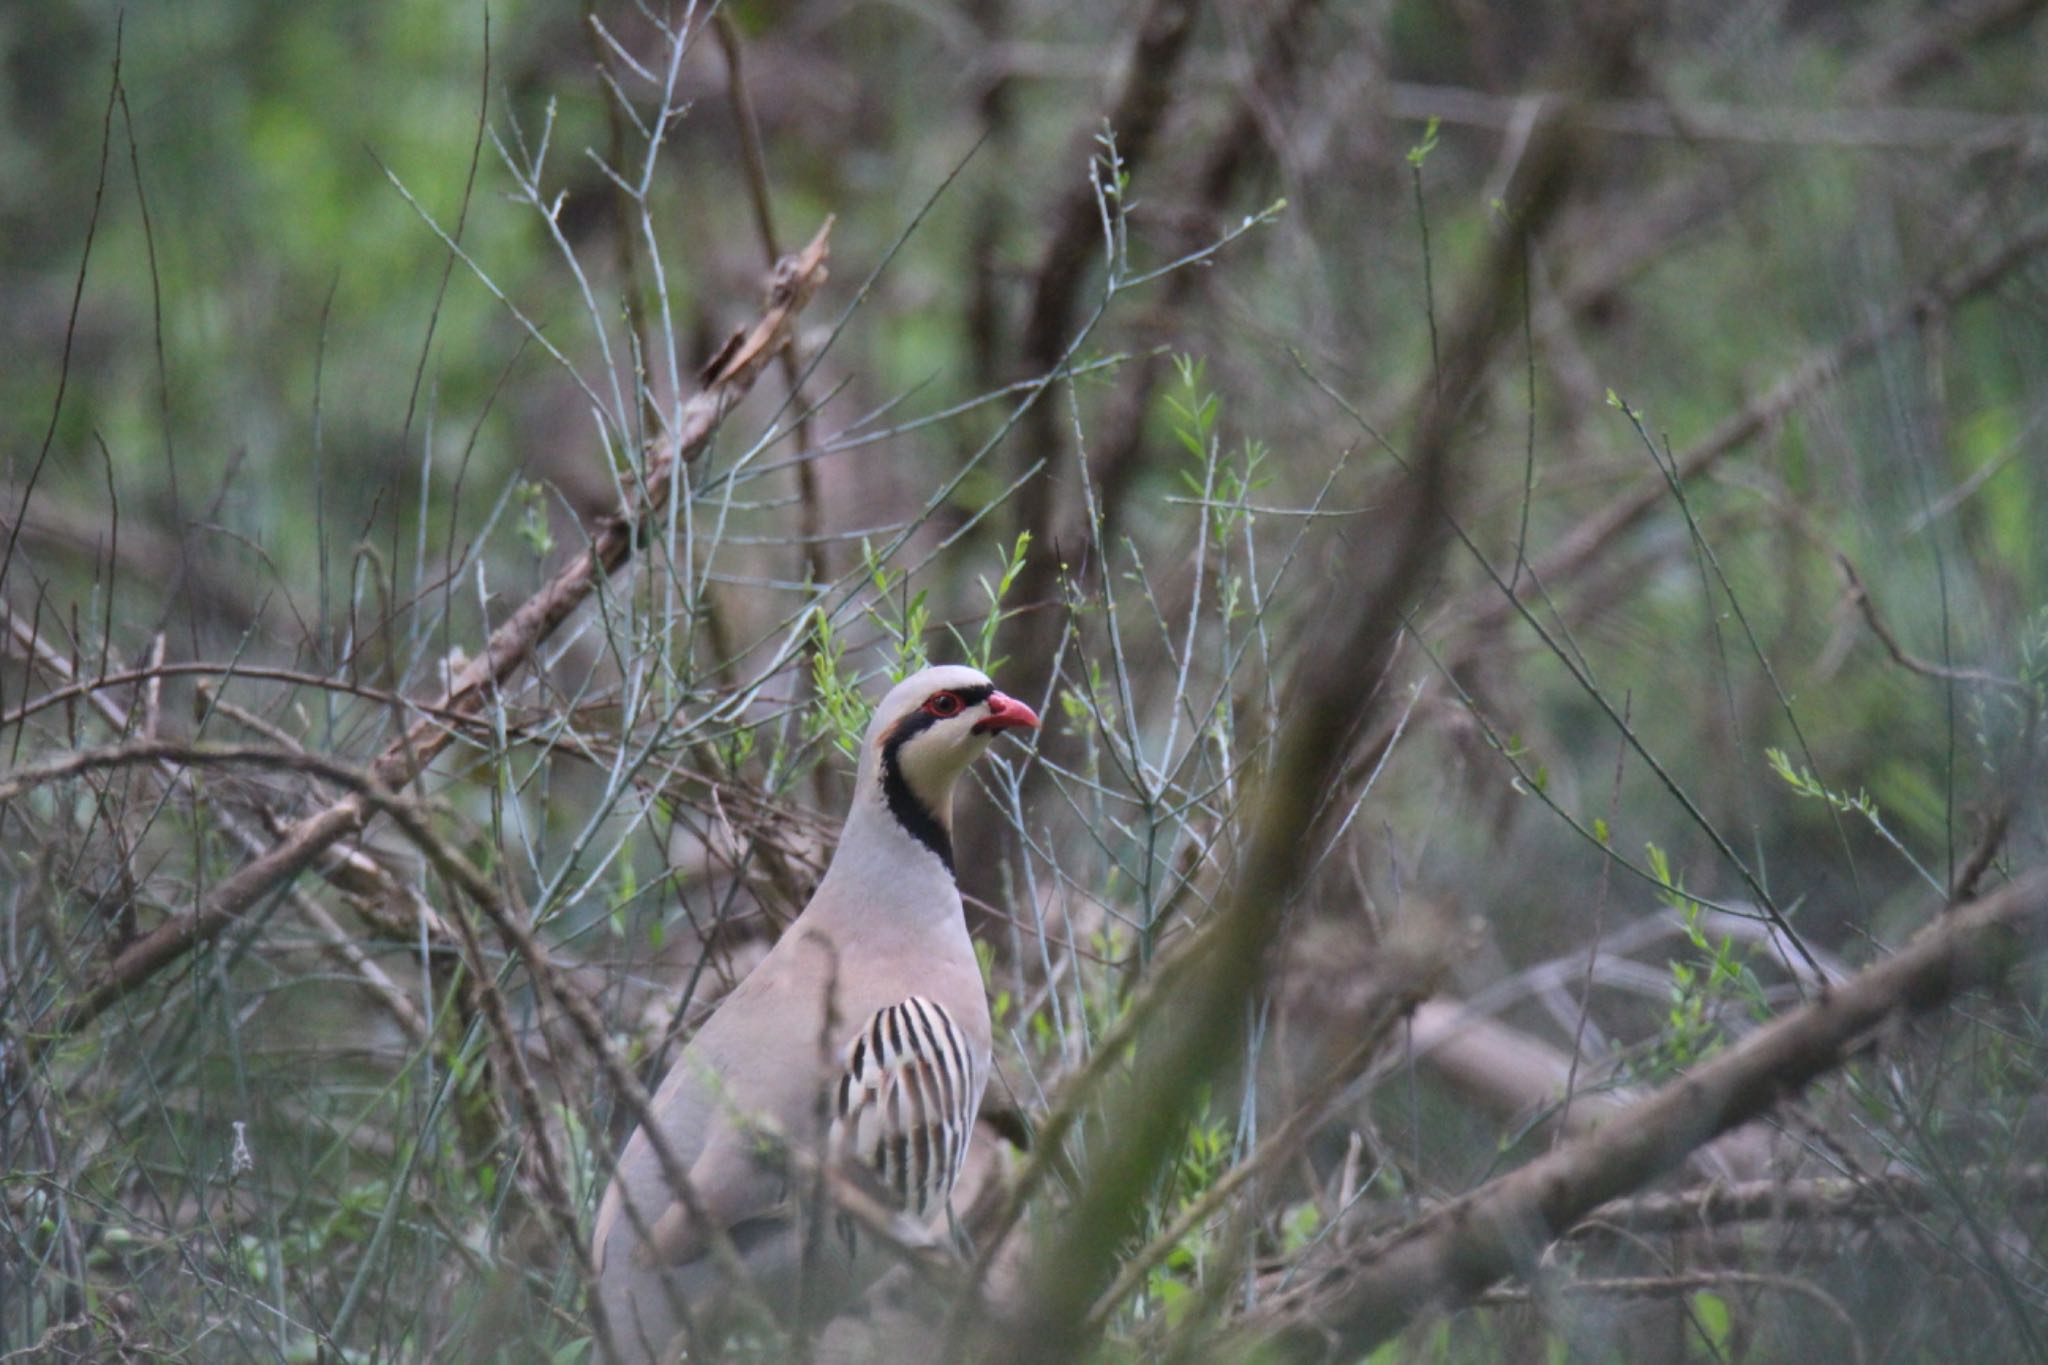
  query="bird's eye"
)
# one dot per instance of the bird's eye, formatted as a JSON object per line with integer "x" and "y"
{"x": 943, "y": 704}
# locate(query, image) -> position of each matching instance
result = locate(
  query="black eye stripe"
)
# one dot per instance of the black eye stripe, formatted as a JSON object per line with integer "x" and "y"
{"x": 951, "y": 701}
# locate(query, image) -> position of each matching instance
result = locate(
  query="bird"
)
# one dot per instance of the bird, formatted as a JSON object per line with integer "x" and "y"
{"x": 867, "y": 1024}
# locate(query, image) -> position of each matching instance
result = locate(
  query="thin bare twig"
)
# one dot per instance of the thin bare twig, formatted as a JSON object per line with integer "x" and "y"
{"x": 1584, "y": 543}
{"x": 1137, "y": 110}
{"x": 726, "y": 380}
{"x": 1912, "y": 663}
{"x": 1331, "y": 689}
{"x": 1679, "y": 1285}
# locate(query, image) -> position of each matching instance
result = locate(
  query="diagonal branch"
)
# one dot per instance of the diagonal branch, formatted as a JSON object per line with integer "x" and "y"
{"x": 726, "y": 381}
{"x": 1448, "y": 1258}
{"x": 1585, "y": 542}
{"x": 1891, "y": 1194}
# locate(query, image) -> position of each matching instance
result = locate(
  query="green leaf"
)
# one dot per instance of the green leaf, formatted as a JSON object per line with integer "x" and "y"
{"x": 1710, "y": 1311}
{"x": 1419, "y": 153}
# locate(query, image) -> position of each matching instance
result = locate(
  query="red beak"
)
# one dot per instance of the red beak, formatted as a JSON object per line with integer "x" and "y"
{"x": 1006, "y": 713}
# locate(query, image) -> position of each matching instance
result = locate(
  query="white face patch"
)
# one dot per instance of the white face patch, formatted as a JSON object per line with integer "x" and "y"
{"x": 924, "y": 736}
{"x": 933, "y": 759}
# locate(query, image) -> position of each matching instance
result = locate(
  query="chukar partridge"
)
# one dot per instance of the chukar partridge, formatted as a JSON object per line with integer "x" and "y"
{"x": 868, "y": 1017}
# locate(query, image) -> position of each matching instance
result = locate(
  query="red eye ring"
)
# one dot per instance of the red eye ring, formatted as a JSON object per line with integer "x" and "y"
{"x": 943, "y": 705}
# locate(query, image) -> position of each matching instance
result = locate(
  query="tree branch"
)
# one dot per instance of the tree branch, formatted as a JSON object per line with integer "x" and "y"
{"x": 1449, "y": 1258}
{"x": 1584, "y": 543}
{"x": 726, "y": 381}
{"x": 1800, "y": 1201}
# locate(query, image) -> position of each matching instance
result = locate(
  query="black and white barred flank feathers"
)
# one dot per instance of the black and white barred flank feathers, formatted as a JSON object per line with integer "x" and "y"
{"x": 905, "y": 1103}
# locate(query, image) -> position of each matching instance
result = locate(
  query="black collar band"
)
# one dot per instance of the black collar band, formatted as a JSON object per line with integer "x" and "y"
{"x": 910, "y": 811}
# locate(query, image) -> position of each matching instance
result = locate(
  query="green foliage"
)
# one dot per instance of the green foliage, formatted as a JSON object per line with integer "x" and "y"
{"x": 1419, "y": 153}
{"x": 1700, "y": 990}
{"x": 1530, "y": 772}
{"x": 841, "y": 711}
{"x": 1221, "y": 485}
{"x": 981, "y": 651}
{"x": 625, "y": 890}
{"x": 1193, "y": 410}
{"x": 1804, "y": 784}
{"x": 902, "y": 616}
{"x": 533, "y": 520}
{"x": 1710, "y": 1312}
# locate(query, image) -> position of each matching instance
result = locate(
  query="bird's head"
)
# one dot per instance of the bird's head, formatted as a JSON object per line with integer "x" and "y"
{"x": 926, "y": 731}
